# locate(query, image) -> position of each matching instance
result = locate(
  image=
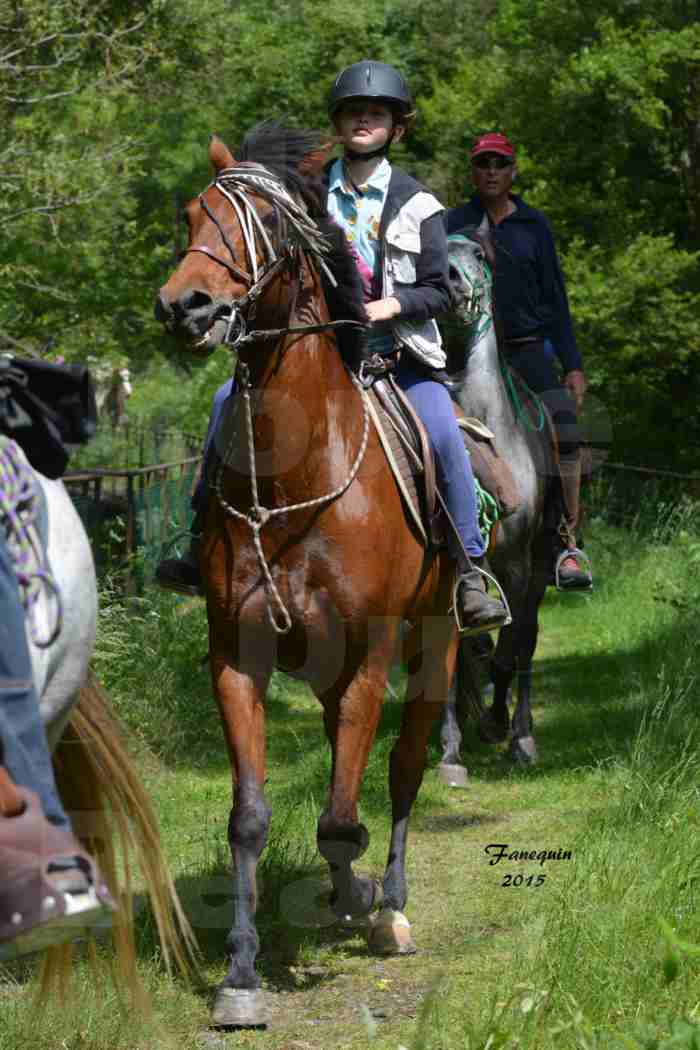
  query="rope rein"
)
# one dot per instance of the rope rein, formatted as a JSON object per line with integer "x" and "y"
{"x": 20, "y": 506}
{"x": 258, "y": 516}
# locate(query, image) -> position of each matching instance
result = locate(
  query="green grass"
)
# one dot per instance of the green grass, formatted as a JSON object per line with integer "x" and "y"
{"x": 583, "y": 960}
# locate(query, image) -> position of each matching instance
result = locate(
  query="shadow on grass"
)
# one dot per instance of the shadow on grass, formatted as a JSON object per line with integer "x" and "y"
{"x": 285, "y": 947}
{"x": 586, "y": 709}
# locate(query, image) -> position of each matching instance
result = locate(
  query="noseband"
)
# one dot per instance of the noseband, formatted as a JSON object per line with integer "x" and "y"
{"x": 476, "y": 311}
{"x": 236, "y": 184}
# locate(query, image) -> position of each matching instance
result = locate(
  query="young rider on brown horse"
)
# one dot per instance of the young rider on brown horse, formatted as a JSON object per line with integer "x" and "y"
{"x": 396, "y": 233}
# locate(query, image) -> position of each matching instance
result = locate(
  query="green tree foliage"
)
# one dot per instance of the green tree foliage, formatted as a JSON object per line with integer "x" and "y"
{"x": 107, "y": 108}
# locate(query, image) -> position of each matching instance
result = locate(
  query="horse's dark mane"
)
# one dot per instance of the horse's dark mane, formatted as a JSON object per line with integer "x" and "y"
{"x": 282, "y": 150}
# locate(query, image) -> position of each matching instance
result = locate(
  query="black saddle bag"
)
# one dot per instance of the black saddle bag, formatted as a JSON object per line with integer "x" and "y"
{"x": 44, "y": 407}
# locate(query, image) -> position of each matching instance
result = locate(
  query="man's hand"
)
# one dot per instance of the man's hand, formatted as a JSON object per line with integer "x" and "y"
{"x": 575, "y": 383}
{"x": 383, "y": 309}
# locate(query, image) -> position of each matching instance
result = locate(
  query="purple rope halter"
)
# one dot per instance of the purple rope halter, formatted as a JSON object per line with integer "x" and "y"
{"x": 19, "y": 510}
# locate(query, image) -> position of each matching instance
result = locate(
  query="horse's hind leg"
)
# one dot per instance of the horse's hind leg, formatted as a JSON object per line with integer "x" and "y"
{"x": 241, "y": 700}
{"x": 430, "y": 674}
{"x": 351, "y": 715}
{"x": 523, "y": 748}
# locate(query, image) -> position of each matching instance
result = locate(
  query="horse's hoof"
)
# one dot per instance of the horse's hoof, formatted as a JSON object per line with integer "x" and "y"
{"x": 239, "y": 1008}
{"x": 206, "y": 1039}
{"x": 523, "y": 750}
{"x": 453, "y": 775}
{"x": 391, "y": 934}
{"x": 361, "y": 920}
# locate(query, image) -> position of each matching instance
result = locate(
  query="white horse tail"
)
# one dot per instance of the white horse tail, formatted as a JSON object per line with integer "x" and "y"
{"x": 96, "y": 779}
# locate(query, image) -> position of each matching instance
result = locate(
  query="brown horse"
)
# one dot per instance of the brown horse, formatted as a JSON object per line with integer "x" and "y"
{"x": 308, "y": 559}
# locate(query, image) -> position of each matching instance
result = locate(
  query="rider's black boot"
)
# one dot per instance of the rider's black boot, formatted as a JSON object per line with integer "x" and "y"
{"x": 477, "y": 611}
{"x": 183, "y": 574}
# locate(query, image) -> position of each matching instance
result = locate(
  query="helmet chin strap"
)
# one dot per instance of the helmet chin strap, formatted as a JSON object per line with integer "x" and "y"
{"x": 351, "y": 154}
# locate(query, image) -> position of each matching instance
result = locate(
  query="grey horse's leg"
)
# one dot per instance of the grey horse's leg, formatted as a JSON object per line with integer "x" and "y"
{"x": 451, "y": 769}
{"x": 464, "y": 703}
{"x": 523, "y": 747}
{"x": 495, "y": 726}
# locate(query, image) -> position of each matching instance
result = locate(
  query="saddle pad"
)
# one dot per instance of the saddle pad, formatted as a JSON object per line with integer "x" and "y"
{"x": 400, "y": 466}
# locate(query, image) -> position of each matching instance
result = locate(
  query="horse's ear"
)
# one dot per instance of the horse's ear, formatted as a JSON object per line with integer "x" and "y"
{"x": 313, "y": 163}
{"x": 219, "y": 154}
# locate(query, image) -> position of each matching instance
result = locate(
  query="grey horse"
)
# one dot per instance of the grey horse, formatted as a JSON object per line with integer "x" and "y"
{"x": 521, "y": 558}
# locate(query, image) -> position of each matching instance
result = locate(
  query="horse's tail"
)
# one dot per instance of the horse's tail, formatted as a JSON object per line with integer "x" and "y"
{"x": 112, "y": 816}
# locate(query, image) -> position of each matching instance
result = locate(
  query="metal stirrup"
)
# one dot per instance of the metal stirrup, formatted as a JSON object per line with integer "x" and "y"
{"x": 454, "y": 608}
{"x": 578, "y": 556}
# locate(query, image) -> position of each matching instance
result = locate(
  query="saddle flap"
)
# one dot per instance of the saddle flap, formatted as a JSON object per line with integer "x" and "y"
{"x": 493, "y": 472}
{"x": 476, "y": 427}
{"x": 410, "y": 454}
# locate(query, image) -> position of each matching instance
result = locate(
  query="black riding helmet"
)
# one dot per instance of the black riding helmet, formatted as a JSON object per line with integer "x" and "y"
{"x": 369, "y": 79}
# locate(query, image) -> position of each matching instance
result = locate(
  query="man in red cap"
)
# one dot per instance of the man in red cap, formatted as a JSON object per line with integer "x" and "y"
{"x": 532, "y": 305}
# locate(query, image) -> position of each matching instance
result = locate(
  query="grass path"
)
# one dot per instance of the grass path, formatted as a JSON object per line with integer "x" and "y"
{"x": 325, "y": 990}
{"x": 478, "y": 940}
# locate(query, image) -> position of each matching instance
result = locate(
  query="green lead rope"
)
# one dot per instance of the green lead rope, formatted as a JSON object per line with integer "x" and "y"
{"x": 488, "y": 510}
{"x": 520, "y": 410}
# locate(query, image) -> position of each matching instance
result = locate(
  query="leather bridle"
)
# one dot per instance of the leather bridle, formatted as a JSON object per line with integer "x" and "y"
{"x": 235, "y": 184}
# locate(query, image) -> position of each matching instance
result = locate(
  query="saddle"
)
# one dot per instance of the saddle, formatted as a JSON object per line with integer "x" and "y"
{"x": 408, "y": 449}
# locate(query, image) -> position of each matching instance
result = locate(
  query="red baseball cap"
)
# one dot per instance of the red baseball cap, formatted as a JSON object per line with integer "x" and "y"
{"x": 493, "y": 142}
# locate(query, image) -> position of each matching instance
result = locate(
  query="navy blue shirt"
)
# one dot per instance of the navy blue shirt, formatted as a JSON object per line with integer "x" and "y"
{"x": 528, "y": 284}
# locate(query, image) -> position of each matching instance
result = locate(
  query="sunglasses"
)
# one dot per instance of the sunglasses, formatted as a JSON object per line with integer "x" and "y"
{"x": 497, "y": 161}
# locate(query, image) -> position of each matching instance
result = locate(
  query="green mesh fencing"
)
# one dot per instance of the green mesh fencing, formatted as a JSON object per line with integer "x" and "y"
{"x": 132, "y": 510}
{"x": 163, "y": 510}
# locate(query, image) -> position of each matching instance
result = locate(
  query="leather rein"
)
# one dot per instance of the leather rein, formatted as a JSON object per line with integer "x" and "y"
{"x": 235, "y": 184}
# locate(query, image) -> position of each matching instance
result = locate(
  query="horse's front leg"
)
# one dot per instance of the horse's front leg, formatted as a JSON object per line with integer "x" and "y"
{"x": 494, "y": 725}
{"x": 451, "y": 770}
{"x": 241, "y": 700}
{"x": 432, "y": 649}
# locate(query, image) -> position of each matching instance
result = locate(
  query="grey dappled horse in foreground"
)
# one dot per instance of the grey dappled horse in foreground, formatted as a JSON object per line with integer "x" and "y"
{"x": 523, "y": 548}
{"x": 95, "y": 774}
